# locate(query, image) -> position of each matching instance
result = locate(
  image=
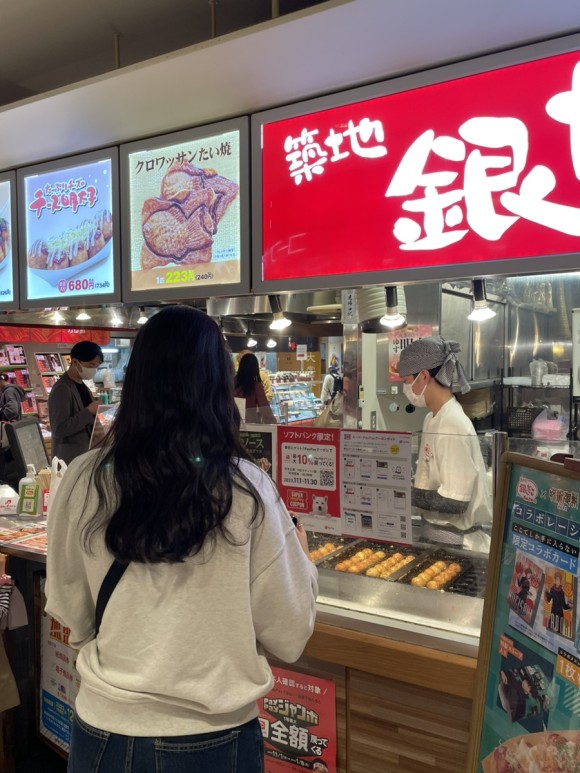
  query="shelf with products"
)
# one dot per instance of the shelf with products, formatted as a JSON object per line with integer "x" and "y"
{"x": 523, "y": 402}
{"x": 294, "y": 401}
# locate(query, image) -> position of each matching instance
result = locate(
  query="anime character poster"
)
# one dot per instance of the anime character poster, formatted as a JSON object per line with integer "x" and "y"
{"x": 525, "y": 588}
{"x": 559, "y": 608}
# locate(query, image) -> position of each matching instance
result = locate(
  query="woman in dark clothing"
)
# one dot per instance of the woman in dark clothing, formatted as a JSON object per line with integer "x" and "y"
{"x": 248, "y": 385}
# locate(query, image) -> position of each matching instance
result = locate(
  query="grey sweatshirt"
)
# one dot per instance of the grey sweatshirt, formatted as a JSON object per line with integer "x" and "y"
{"x": 179, "y": 651}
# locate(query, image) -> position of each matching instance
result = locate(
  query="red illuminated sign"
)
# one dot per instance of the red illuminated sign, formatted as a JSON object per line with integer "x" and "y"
{"x": 482, "y": 168}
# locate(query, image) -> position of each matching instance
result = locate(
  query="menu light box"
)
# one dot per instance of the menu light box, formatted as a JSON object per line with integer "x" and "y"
{"x": 185, "y": 199}
{"x": 68, "y": 222}
{"x": 471, "y": 168}
{"x": 9, "y": 296}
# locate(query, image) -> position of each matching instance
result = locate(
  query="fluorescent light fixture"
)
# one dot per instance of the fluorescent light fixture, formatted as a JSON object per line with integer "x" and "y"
{"x": 82, "y": 315}
{"x": 110, "y": 350}
{"x": 142, "y": 318}
{"x": 481, "y": 310}
{"x": 279, "y": 321}
{"x": 392, "y": 319}
{"x": 271, "y": 343}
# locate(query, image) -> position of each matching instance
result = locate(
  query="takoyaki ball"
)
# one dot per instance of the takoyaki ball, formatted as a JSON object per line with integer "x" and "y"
{"x": 433, "y": 585}
{"x": 38, "y": 254}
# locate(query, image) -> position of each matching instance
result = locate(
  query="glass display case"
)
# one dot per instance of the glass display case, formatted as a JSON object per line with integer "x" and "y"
{"x": 294, "y": 401}
{"x": 423, "y": 593}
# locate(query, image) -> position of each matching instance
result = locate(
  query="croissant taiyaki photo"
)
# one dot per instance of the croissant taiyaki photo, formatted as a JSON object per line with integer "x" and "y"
{"x": 178, "y": 227}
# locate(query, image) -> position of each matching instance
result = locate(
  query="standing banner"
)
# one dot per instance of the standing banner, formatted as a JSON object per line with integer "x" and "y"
{"x": 526, "y": 714}
{"x": 308, "y": 476}
{"x": 298, "y": 721}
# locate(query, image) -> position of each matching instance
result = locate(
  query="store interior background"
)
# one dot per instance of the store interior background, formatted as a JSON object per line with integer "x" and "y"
{"x": 533, "y": 321}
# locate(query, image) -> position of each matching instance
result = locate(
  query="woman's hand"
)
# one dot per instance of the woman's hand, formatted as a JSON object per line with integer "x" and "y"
{"x": 301, "y": 534}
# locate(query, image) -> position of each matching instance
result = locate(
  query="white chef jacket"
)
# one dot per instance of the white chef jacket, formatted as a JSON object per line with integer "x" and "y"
{"x": 450, "y": 462}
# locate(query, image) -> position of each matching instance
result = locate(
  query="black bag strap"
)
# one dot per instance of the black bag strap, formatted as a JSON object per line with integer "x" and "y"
{"x": 116, "y": 571}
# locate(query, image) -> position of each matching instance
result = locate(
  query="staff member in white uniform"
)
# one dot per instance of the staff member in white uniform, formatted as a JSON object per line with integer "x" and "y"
{"x": 450, "y": 486}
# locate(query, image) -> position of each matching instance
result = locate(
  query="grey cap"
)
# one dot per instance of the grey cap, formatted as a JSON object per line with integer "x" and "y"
{"x": 435, "y": 352}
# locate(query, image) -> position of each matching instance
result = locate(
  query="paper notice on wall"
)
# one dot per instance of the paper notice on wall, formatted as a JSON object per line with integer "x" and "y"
{"x": 399, "y": 340}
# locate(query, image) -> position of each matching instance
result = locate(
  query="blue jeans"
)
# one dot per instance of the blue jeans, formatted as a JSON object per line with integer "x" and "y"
{"x": 237, "y": 750}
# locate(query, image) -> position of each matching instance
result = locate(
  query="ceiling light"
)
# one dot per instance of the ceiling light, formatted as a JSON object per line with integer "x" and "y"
{"x": 82, "y": 315}
{"x": 110, "y": 350}
{"x": 279, "y": 321}
{"x": 58, "y": 317}
{"x": 222, "y": 331}
{"x": 392, "y": 319}
{"x": 271, "y": 343}
{"x": 142, "y": 318}
{"x": 481, "y": 310}
{"x": 251, "y": 342}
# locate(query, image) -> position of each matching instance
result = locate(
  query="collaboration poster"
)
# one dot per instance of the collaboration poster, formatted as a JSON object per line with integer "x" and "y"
{"x": 68, "y": 229}
{"x": 376, "y": 485}
{"x": 399, "y": 340}
{"x": 298, "y": 721}
{"x": 184, "y": 214}
{"x": 59, "y": 680}
{"x": 308, "y": 476}
{"x": 531, "y": 719}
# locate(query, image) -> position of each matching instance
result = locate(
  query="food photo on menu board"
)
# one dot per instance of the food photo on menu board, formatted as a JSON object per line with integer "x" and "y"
{"x": 6, "y": 275}
{"x": 68, "y": 230}
{"x": 184, "y": 213}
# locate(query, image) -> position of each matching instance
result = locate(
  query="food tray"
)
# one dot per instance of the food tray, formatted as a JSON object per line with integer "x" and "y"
{"x": 317, "y": 541}
{"x": 428, "y": 561}
{"x": 472, "y": 581}
{"x": 386, "y": 549}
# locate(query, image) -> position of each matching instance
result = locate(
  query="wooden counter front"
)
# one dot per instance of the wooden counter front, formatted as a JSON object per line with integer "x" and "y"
{"x": 400, "y": 707}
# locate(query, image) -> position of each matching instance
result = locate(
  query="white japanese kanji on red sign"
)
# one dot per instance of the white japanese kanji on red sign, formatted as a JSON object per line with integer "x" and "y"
{"x": 485, "y": 167}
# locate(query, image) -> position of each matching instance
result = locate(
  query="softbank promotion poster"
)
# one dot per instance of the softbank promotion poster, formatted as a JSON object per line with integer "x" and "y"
{"x": 67, "y": 215}
{"x": 480, "y": 168}
{"x": 308, "y": 476}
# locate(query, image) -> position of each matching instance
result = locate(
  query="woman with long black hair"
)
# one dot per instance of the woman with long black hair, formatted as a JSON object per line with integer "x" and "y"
{"x": 248, "y": 385}
{"x": 215, "y": 570}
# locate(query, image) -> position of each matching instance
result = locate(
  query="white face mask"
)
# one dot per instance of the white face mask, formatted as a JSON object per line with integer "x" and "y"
{"x": 86, "y": 373}
{"x": 417, "y": 400}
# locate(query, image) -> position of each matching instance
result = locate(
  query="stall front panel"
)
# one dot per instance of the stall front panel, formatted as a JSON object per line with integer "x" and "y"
{"x": 470, "y": 169}
{"x": 186, "y": 213}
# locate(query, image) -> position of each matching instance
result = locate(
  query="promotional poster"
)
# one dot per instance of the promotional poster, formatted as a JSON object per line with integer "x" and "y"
{"x": 298, "y": 721}
{"x": 376, "y": 485}
{"x": 69, "y": 243}
{"x": 531, "y": 719}
{"x": 308, "y": 476}
{"x": 184, "y": 213}
{"x": 260, "y": 442}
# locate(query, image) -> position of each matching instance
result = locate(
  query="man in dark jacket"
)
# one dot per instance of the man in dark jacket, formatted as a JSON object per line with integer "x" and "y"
{"x": 71, "y": 406}
{"x": 11, "y": 397}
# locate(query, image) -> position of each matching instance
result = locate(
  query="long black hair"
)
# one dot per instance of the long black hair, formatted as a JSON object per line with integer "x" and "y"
{"x": 165, "y": 480}
{"x": 248, "y": 374}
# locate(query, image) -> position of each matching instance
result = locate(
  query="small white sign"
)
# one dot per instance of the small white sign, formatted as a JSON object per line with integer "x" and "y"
{"x": 301, "y": 351}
